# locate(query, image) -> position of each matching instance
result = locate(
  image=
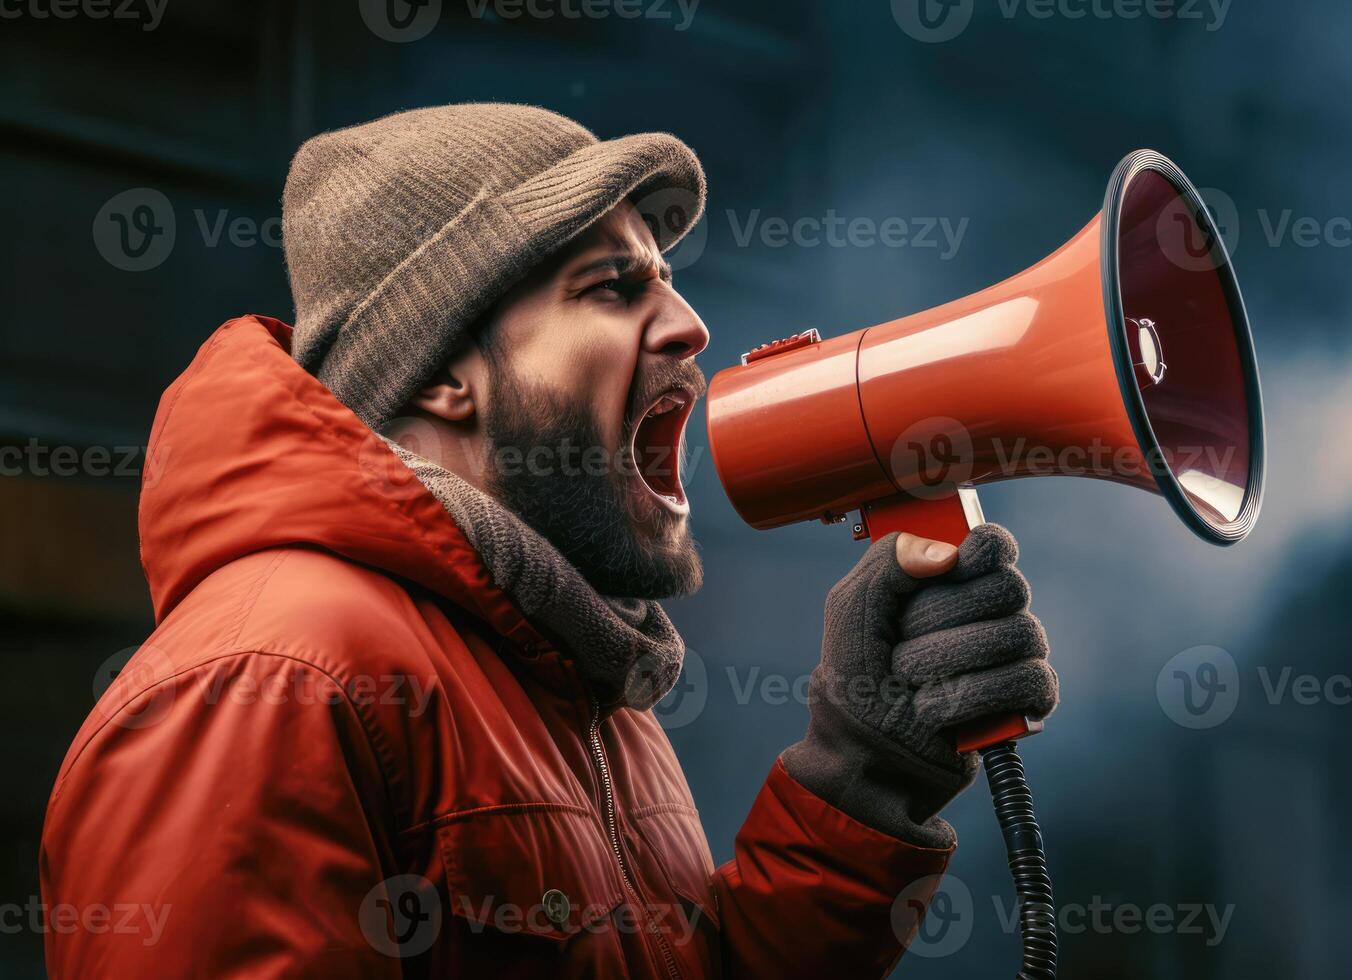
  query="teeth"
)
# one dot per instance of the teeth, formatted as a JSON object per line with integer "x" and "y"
{"x": 664, "y": 405}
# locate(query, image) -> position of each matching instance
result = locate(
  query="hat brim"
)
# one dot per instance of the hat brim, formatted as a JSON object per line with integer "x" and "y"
{"x": 656, "y": 171}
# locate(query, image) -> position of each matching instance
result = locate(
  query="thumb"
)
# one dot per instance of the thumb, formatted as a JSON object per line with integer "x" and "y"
{"x": 924, "y": 557}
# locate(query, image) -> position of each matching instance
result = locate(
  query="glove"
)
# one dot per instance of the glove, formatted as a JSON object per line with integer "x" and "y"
{"x": 903, "y": 659}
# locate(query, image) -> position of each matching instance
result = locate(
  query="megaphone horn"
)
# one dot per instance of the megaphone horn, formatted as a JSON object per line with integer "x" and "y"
{"x": 1125, "y": 355}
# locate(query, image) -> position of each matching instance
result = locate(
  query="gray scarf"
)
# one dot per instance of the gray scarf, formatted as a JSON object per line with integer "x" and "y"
{"x": 626, "y": 650}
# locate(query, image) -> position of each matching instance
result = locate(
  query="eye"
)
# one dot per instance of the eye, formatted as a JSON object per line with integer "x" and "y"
{"x": 607, "y": 286}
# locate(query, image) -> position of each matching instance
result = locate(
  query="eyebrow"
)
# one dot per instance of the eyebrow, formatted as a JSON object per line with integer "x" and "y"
{"x": 625, "y": 263}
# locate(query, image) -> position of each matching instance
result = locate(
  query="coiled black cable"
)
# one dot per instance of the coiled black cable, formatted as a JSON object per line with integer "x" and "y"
{"x": 1013, "y": 802}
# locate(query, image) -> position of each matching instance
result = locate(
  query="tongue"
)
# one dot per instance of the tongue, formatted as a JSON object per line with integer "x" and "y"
{"x": 655, "y": 454}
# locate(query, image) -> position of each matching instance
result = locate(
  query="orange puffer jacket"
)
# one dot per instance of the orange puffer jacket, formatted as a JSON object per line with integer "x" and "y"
{"x": 344, "y": 753}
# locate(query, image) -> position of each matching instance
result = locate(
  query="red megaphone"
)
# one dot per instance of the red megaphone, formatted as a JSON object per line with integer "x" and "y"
{"x": 1125, "y": 355}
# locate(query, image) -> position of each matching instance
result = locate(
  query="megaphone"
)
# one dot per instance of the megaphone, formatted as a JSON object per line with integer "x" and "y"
{"x": 1125, "y": 355}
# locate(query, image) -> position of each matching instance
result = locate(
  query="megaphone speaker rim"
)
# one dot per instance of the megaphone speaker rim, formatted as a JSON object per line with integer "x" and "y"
{"x": 1236, "y": 530}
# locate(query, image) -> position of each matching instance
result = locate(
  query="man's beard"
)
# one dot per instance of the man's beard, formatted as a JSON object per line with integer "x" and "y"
{"x": 572, "y": 492}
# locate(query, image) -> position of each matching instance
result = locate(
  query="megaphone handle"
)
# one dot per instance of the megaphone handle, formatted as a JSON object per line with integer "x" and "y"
{"x": 946, "y": 513}
{"x": 948, "y": 517}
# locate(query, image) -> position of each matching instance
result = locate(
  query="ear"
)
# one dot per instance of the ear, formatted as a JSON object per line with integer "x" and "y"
{"x": 452, "y": 394}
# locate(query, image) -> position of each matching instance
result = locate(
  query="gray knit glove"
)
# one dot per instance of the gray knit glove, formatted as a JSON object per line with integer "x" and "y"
{"x": 904, "y": 659}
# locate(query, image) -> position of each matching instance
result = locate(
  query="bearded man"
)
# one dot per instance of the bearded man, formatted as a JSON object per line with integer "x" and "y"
{"x": 395, "y": 718}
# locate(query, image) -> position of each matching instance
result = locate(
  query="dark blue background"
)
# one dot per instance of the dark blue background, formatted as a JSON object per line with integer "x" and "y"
{"x": 796, "y": 109}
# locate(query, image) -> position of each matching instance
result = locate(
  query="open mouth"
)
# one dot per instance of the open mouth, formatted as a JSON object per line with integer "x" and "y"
{"x": 657, "y": 447}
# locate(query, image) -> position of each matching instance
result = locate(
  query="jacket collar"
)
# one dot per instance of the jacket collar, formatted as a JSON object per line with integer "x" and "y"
{"x": 253, "y": 452}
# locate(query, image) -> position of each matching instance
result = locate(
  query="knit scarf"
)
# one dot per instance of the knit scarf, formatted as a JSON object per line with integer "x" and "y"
{"x": 626, "y": 650}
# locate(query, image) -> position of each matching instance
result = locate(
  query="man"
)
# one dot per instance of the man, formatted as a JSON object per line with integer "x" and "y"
{"x": 394, "y": 720}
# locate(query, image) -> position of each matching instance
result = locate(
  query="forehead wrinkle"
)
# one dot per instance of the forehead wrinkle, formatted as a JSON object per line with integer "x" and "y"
{"x": 630, "y": 250}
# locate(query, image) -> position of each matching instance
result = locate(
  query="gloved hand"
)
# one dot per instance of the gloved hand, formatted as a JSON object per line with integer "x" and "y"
{"x": 918, "y": 639}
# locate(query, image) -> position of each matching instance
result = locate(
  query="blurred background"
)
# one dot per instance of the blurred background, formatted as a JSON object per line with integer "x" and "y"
{"x": 144, "y": 144}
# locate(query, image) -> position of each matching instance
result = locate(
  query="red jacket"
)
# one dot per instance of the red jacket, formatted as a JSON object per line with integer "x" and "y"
{"x": 344, "y": 753}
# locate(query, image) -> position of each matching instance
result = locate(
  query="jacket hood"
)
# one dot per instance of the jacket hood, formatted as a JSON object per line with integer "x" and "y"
{"x": 251, "y": 452}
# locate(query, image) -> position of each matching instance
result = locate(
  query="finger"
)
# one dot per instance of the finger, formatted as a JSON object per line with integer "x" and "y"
{"x": 973, "y": 647}
{"x": 1029, "y": 687}
{"x": 866, "y": 604}
{"x": 986, "y": 548}
{"x": 943, "y": 605}
{"x": 924, "y": 557}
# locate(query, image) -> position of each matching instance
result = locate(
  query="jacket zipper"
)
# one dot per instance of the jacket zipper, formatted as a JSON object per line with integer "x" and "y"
{"x": 613, "y": 826}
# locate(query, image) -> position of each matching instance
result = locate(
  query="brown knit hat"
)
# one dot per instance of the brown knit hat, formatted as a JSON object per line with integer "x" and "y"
{"x": 401, "y": 232}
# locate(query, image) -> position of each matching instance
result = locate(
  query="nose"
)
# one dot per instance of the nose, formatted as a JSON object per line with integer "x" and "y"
{"x": 676, "y": 331}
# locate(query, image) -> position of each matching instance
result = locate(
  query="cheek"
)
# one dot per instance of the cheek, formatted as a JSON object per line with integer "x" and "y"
{"x": 585, "y": 358}
{"x": 602, "y": 372}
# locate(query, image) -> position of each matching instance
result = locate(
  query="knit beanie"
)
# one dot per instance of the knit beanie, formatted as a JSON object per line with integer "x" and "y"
{"x": 400, "y": 233}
